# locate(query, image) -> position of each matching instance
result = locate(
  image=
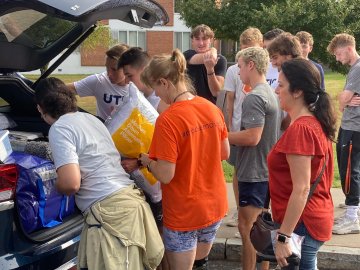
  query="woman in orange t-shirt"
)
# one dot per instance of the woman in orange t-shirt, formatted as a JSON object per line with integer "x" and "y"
{"x": 189, "y": 143}
{"x": 297, "y": 159}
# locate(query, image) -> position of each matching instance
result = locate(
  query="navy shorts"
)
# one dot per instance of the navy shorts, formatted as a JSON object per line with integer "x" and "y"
{"x": 253, "y": 193}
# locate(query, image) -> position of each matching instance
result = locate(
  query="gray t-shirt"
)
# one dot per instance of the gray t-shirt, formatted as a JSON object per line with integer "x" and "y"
{"x": 260, "y": 109}
{"x": 351, "y": 115}
{"x": 82, "y": 139}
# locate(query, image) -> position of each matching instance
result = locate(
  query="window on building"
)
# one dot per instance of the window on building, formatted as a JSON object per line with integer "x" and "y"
{"x": 182, "y": 41}
{"x": 132, "y": 38}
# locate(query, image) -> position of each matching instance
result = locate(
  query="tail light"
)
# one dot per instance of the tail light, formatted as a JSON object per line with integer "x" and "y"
{"x": 8, "y": 179}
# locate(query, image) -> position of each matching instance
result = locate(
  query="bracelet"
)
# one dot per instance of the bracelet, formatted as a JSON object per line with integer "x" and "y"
{"x": 283, "y": 234}
{"x": 148, "y": 166}
{"x": 211, "y": 73}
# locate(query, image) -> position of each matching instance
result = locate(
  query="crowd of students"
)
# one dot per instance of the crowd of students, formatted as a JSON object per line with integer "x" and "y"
{"x": 278, "y": 135}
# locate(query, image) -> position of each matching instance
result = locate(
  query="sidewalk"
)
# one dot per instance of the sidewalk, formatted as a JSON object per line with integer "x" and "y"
{"x": 341, "y": 252}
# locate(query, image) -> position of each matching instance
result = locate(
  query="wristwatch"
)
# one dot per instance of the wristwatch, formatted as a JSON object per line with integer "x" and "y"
{"x": 282, "y": 238}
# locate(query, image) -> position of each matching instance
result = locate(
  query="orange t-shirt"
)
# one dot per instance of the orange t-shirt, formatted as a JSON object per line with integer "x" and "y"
{"x": 189, "y": 133}
{"x": 247, "y": 88}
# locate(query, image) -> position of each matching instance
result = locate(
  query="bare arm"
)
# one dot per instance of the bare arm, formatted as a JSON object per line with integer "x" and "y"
{"x": 69, "y": 179}
{"x": 300, "y": 169}
{"x": 247, "y": 137}
{"x": 345, "y": 98}
{"x": 209, "y": 59}
{"x": 198, "y": 59}
{"x": 163, "y": 170}
{"x": 225, "y": 149}
{"x": 230, "y": 97}
{"x": 216, "y": 83}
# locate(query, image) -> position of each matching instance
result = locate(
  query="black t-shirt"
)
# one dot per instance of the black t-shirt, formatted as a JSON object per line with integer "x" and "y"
{"x": 199, "y": 77}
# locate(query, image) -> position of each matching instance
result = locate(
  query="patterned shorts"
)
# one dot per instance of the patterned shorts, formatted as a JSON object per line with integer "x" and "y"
{"x": 180, "y": 241}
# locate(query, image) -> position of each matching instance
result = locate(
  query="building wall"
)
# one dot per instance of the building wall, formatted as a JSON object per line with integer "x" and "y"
{"x": 169, "y": 7}
{"x": 159, "y": 42}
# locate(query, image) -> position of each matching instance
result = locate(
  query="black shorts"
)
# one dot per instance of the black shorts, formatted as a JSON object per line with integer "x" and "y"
{"x": 253, "y": 193}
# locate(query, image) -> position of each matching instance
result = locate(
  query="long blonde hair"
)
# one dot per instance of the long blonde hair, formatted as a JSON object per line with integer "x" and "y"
{"x": 171, "y": 67}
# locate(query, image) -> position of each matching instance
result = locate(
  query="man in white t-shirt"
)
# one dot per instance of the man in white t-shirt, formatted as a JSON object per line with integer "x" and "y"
{"x": 272, "y": 73}
{"x": 133, "y": 63}
{"x": 109, "y": 88}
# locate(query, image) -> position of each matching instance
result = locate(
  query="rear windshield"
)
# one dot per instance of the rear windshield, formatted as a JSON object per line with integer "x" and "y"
{"x": 32, "y": 28}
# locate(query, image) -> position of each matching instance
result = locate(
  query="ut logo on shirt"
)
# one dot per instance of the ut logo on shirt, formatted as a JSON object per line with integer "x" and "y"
{"x": 271, "y": 81}
{"x": 108, "y": 98}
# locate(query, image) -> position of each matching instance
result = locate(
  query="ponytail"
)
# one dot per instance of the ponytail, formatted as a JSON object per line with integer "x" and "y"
{"x": 171, "y": 67}
{"x": 303, "y": 75}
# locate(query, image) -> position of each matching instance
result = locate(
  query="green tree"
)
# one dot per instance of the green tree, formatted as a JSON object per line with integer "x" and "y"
{"x": 323, "y": 19}
{"x": 99, "y": 38}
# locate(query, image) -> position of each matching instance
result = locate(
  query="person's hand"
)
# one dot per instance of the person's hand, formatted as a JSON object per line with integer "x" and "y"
{"x": 144, "y": 158}
{"x": 213, "y": 52}
{"x": 210, "y": 60}
{"x": 130, "y": 164}
{"x": 282, "y": 251}
{"x": 355, "y": 101}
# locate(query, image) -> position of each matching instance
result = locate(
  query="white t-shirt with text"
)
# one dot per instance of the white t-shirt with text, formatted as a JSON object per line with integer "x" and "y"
{"x": 108, "y": 96}
{"x": 272, "y": 76}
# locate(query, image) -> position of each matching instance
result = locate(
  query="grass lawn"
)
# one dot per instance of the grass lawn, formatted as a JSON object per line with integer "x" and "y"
{"x": 334, "y": 83}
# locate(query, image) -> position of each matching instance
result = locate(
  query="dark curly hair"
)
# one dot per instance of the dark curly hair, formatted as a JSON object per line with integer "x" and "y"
{"x": 304, "y": 76}
{"x": 54, "y": 98}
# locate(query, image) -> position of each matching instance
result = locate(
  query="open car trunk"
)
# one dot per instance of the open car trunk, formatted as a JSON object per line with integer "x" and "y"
{"x": 32, "y": 33}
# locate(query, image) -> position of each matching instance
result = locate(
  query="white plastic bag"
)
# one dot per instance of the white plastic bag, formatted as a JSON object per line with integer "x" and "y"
{"x": 295, "y": 242}
{"x": 132, "y": 127}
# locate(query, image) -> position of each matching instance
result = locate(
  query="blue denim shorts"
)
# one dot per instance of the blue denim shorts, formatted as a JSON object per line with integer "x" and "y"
{"x": 180, "y": 241}
{"x": 253, "y": 193}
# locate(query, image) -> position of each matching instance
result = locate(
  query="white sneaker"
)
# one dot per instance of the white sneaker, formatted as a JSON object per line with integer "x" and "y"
{"x": 237, "y": 235}
{"x": 339, "y": 219}
{"x": 346, "y": 226}
{"x": 343, "y": 205}
{"x": 233, "y": 222}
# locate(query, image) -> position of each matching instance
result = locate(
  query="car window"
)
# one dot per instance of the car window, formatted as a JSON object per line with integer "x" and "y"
{"x": 32, "y": 28}
{"x": 3, "y": 103}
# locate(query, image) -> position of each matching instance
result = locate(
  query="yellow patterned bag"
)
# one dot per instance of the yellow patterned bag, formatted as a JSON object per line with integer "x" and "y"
{"x": 132, "y": 127}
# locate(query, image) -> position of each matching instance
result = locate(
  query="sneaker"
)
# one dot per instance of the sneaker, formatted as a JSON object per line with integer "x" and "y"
{"x": 339, "y": 219}
{"x": 233, "y": 222}
{"x": 343, "y": 205}
{"x": 237, "y": 235}
{"x": 346, "y": 226}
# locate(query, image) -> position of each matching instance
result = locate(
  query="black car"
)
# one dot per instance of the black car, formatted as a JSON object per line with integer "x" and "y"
{"x": 32, "y": 33}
